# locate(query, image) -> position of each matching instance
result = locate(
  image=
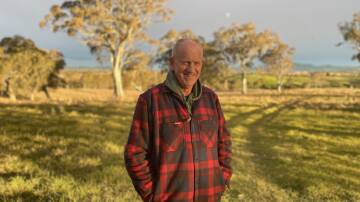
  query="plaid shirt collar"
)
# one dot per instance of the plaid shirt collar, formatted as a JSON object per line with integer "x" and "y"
{"x": 171, "y": 85}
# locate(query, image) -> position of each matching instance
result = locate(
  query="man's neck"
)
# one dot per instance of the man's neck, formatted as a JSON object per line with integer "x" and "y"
{"x": 187, "y": 91}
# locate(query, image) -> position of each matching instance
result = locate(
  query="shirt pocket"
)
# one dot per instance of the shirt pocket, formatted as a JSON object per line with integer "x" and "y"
{"x": 208, "y": 127}
{"x": 172, "y": 135}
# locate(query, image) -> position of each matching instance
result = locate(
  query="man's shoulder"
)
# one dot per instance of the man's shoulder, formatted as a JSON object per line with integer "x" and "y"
{"x": 208, "y": 91}
{"x": 161, "y": 88}
{"x": 153, "y": 91}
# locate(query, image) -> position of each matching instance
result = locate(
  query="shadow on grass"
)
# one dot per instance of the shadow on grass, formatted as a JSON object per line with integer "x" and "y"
{"x": 76, "y": 140}
{"x": 326, "y": 107}
{"x": 234, "y": 121}
{"x": 287, "y": 157}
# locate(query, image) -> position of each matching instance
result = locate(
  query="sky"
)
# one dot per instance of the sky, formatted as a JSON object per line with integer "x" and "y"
{"x": 310, "y": 26}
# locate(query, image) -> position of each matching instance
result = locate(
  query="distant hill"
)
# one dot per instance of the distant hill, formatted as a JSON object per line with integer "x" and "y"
{"x": 299, "y": 67}
{"x": 329, "y": 68}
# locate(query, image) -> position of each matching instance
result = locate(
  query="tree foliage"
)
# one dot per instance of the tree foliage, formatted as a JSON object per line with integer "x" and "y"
{"x": 137, "y": 71}
{"x": 109, "y": 28}
{"x": 351, "y": 34}
{"x": 279, "y": 62}
{"x": 26, "y": 68}
{"x": 241, "y": 45}
{"x": 215, "y": 70}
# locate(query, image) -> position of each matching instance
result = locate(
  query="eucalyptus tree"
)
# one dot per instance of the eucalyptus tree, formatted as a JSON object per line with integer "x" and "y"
{"x": 279, "y": 61}
{"x": 241, "y": 45}
{"x": 216, "y": 71}
{"x": 351, "y": 34}
{"x": 25, "y": 68}
{"x": 110, "y": 28}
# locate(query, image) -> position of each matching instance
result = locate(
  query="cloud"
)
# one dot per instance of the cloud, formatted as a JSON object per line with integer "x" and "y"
{"x": 309, "y": 26}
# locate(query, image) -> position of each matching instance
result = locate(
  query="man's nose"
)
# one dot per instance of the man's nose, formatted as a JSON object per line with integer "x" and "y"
{"x": 191, "y": 65}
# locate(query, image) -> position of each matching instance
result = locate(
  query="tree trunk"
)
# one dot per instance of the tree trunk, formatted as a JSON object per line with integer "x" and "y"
{"x": 226, "y": 85}
{"x": 244, "y": 83}
{"x": 279, "y": 88}
{"x": 280, "y": 83}
{"x": 45, "y": 90}
{"x": 117, "y": 75}
{"x": 32, "y": 96}
{"x": 117, "y": 80}
{"x": 9, "y": 91}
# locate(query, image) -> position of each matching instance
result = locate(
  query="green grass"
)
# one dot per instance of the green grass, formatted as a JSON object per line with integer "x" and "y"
{"x": 303, "y": 148}
{"x": 62, "y": 153}
{"x": 300, "y": 146}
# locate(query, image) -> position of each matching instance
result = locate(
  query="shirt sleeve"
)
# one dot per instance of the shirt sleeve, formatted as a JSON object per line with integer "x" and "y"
{"x": 224, "y": 146}
{"x": 136, "y": 153}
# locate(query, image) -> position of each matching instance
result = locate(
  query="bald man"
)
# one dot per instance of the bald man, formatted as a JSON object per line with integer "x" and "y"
{"x": 178, "y": 147}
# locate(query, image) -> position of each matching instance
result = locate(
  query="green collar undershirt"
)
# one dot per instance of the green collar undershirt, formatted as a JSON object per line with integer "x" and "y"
{"x": 172, "y": 83}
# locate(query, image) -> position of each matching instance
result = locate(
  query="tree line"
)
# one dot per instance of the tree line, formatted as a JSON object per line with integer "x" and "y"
{"x": 112, "y": 30}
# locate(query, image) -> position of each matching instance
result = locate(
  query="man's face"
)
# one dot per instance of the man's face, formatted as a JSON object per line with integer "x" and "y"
{"x": 187, "y": 63}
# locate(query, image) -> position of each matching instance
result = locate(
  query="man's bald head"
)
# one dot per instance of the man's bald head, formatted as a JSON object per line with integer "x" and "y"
{"x": 184, "y": 45}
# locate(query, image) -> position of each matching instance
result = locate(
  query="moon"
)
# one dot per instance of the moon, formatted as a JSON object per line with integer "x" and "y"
{"x": 228, "y": 15}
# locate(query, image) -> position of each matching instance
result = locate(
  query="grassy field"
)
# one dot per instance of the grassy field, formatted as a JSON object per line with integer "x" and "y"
{"x": 303, "y": 145}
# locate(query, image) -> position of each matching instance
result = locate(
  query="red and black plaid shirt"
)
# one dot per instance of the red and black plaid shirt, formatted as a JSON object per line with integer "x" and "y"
{"x": 174, "y": 156}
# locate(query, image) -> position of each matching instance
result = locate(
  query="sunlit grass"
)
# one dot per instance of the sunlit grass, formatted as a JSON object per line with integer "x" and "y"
{"x": 304, "y": 146}
{"x": 73, "y": 152}
{"x": 300, "y": 146}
